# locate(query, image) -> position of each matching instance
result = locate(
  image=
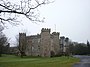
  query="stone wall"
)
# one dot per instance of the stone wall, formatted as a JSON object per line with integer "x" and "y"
{"x": 45, "y": 43}
{"x": 56, "y": 42}
{"x": 22, "y": 42}
{"x": 42, "y": 44}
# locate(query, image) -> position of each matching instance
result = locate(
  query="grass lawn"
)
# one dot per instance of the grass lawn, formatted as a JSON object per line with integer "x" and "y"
{"x": 14, "y": 61}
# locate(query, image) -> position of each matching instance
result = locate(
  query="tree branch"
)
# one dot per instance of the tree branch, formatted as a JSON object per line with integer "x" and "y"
{"x": 5, "y": 7}
{"x": 35, "y": 7}
{"x": 11, "y": 11}
{"x": 24, "y": 8}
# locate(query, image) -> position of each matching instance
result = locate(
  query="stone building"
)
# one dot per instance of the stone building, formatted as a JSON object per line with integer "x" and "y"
{"x": 44, "y": 44}
{"x": 64, "y": 44}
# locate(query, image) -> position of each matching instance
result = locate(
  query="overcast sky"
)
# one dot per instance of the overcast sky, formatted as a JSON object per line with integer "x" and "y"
{"x": 71, "y": 17}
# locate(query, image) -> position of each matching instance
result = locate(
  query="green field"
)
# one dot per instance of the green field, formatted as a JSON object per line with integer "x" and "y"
{"x": 14, "y": 61}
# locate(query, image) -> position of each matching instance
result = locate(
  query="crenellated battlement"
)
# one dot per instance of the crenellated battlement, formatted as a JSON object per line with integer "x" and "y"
{"x": 45, "y": 30}
{"x": 41, "y": 44}
{"x": 22, "y": 34}
{"x": 55, "y": 33}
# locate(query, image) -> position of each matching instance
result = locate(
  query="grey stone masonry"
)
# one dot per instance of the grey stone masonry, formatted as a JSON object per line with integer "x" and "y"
{"x": 42, "y": 44}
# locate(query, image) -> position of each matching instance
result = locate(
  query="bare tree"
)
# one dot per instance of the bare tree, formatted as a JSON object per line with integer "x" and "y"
{"x": 21, "y": 44}
{"x": 10, "y": 12}
{"x": 18, "y": 46}
{"x": 17, "y": 40}
{"x": 3, "y": 40}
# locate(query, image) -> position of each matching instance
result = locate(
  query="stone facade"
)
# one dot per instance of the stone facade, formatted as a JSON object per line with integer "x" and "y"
{"x": 64, "y": 43}
{"x": 43, "y": 44}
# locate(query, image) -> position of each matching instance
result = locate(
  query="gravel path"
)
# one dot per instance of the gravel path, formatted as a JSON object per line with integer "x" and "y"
{"x": 84, "y": 61}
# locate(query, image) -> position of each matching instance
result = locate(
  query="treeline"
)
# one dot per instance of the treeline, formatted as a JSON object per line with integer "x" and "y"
{"x": 80, "y": 49}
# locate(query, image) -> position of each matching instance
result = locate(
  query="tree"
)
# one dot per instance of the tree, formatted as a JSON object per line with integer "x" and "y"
{"x": 17, "y": 40}
{"x": 10, "y": 12}
{"x": 88, "y": 43}
{"x": 80, "y": 49}
{"x": 3, "y": 40}
{"x": 88, "y": 47}
{"x": 71, "y": 48}
{"x": 21, "y": 44}
{"x": 19, "y": 51}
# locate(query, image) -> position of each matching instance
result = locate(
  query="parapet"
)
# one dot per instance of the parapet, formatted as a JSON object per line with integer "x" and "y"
{"x": 22, "y": 34}
{"x": 34, "y": 36}
{"x": 62, "y": 37}
{"x": 45, "y": 30}
{"x": 55, "y": 33}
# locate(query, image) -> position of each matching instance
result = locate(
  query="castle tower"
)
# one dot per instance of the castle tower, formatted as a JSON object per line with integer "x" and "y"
{"x": 22, "y": 42}
{"x": 45, "y": 43}
{"x": 56, "y": 42}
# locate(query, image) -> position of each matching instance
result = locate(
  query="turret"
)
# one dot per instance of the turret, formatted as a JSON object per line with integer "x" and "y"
{"x": 45, "y": 42}
{"x": 22, "y": 38}
{"x": 22, "y": 42}
{"x": 56, "y": 33}
{"x": 56, "y": 42}
{"x": 45, "y": 30}
{"x": 22, "y": 34}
